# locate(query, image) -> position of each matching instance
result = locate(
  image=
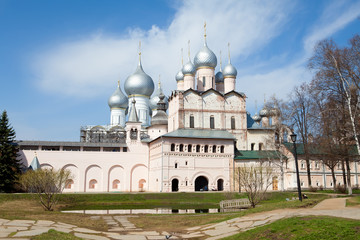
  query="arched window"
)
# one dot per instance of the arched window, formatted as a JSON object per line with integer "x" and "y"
{"x": 189, "y": 148}
{"x": 203, "y": 81}
{"x": 252, "y": 146}
{"x": 181, "y": 148}
{"x": 232, "y": 122}
{"x": 92, "y": 184}
{"x": 116, "y": 184}
{"x": 192, "y": 121}
{"x": 176, "y": 165}
{"x": 69, "y": 184}
{"x": 173, "y": 147}
{"x": 222, "y": 148}
{"x": 197, "y": 148}
{"x": 214, "y": 148}
{"x": 206, "y": 149}
{"x": 212, "y": 122}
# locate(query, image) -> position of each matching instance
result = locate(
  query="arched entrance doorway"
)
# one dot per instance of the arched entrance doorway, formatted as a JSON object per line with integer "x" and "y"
{"x": 220, "y": 185}
{"x": 175, "y": 185}
{"x": 201, "y": 184}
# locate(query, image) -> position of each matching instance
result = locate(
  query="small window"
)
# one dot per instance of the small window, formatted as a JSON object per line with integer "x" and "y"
{"x": 191, "y": 121}
{"x": 173, "y": 147}
{"x": 92, "y": 184}
{"x": 124, "y": 149}
{"x": 302, "y": 165}
{"x": 69, "y": 184}
{"x": 203, "y": 81}
{"x": 206, "y": 149}
{"x": 181, "y": 148}
{"x": 189, "y": 148}
{"x": 197, "y": 148}
{"x": 260, "y": 146}
{"x": 232, "y": 122}
{"x": 222, "y": 149}
{"x": 212, "y": 122}
{"x": 252, "y": 146}
{"x": 176, "y": 165}
{"x": 214, "y": 148}
{"x": 186, "y": 163}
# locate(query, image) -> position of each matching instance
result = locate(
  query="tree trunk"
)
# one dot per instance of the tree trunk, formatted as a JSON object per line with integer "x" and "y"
{"x": 334, "y": 178}
{"x": 343, "y": 172}
{"x": 308, "y": 170}
{"x": 348, "y": 175}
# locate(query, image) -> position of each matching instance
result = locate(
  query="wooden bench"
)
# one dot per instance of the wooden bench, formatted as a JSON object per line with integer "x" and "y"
{"x": 235, "y": 203}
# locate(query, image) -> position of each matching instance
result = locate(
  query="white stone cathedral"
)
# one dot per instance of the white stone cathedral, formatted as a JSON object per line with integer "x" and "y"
{"x": 195, "y": 146}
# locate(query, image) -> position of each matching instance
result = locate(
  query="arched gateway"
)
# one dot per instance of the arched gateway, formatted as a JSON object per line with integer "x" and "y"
{"x": 201, "y": 184}
{"x": 175, "y": 185}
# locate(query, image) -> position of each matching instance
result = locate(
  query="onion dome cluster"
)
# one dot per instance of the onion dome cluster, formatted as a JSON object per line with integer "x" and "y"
{"x": 118, "y": 99}
{"x": 139, "y": 83}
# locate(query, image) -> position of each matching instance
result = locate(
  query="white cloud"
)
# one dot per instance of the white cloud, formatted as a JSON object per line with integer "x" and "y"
{"x": 91, "y": 66}
{"x": 334, "y": 18}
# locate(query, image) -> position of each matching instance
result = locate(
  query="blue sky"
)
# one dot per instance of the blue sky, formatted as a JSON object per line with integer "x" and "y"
{"x": 60, "y": 60}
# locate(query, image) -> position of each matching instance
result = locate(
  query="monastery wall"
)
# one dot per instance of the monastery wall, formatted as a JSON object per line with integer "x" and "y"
{"x": 98, "y": 171}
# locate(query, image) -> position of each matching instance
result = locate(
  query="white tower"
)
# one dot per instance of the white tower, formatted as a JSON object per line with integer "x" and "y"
{"x": 205, "y": 62}
{"x": 229, "y": 73}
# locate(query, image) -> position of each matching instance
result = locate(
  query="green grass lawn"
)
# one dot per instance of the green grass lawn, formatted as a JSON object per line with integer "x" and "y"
{"x": 310, "y": 227}
{"x": 55, "y": 235}
{"x": 24, "y": 206}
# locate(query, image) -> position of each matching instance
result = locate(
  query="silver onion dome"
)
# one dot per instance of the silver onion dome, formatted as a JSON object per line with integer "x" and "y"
{"x": 156, "y": 98}
{"x": 179, "y": 76}
{"x": 219, "y": 77}
{"x": 118, "y": 99}
{"x": 256, "y": 118}
{"x": 230, "y": 71}
{"x": 205, "y": 58}
{"x": 189, "y": 68}
{"x": 264, "y": 112}
{"x": 139, "y": 83}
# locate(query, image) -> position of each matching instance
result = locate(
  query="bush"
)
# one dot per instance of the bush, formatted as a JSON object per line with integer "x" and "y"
{"x": 46, "y": 183}
{"x": 313, "y": 189}
{"x": 341, "y": 189}
{"x": 321, "y": 188}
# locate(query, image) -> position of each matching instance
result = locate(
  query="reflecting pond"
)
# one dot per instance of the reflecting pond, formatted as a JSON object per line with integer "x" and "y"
{"x": 152, "y": 211}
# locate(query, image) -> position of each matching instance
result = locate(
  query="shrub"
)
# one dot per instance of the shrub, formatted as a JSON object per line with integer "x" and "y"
{"x": 341, "y": 188}
{"x": 313, "y": 189}
{"x": 46, "y": 184}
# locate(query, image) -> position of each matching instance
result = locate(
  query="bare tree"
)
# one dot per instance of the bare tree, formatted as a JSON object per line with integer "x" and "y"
{"x": 279, "y": 114}
{"x": 300, "y": 106}
{"x": 255, "y": 180}
{"x": 338, "y": 74}
{"x": 47, "y": 184}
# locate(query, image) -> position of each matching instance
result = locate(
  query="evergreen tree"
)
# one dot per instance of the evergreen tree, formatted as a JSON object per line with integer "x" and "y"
{"x": 9, "y": 163}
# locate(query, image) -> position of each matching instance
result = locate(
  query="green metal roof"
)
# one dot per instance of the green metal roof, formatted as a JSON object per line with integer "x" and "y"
{"x": 247, "y": 155}
{"x": 314, "y": 149}
{"x": 200, "y": 133}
